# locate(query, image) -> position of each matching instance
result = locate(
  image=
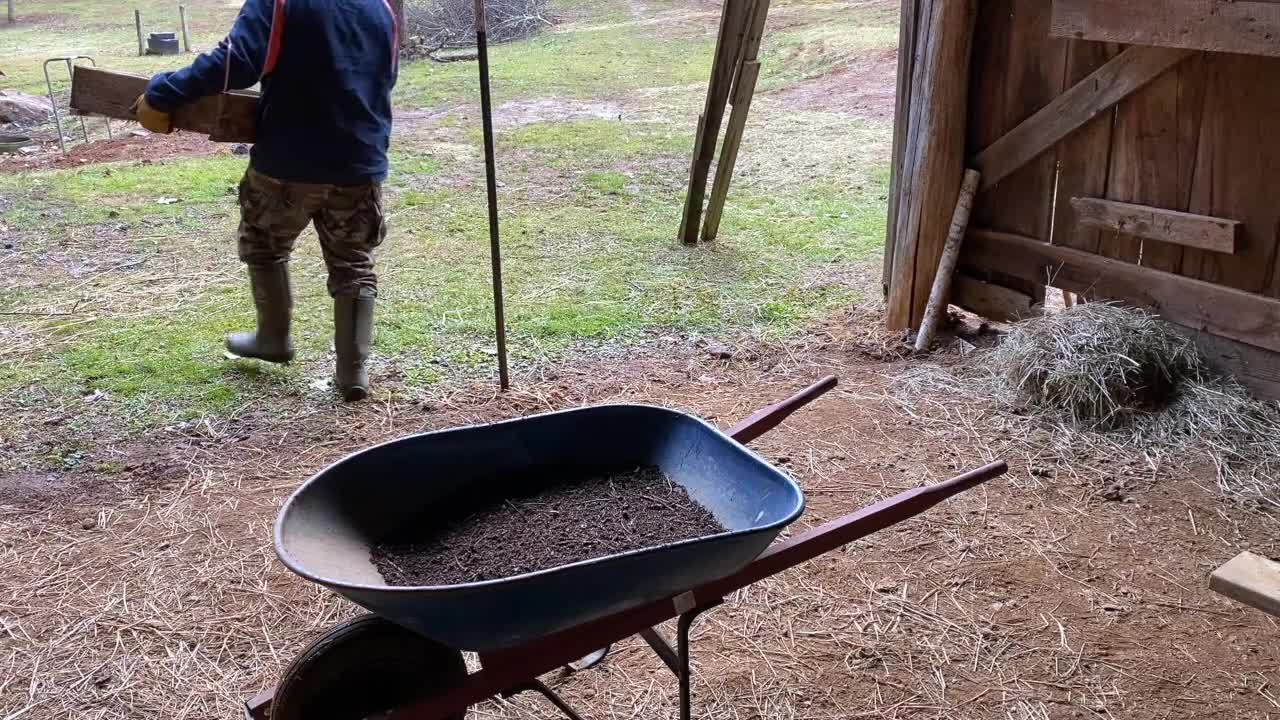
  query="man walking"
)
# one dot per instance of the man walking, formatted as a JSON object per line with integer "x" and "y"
{"x": 326, "y": 69}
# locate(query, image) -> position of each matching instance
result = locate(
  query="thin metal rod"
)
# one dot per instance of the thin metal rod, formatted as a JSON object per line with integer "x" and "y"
{"x": 53, "y": 102}
{"x": 491, "y": 180}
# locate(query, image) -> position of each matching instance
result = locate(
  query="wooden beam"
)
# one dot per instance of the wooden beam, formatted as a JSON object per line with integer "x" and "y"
{"x": 936, "y": 149}
{"x": 1144, "y": 221}
{"x": 991, "y": 301}
{"x": 940, "y": 295}
{"x": 733, "y": 21}
{"x": 1234, "y": 26}
{"x": 102, "y": 92}
{"x": 902, "y": 105}
{"x": 1108, "y": 85}
{"x": 1251, "y": 579}
{"x": 729, "y": 150}
{"x": 1246, "y": 317}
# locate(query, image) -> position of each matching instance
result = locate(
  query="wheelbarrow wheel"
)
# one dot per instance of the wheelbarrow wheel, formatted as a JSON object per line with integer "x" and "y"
{"x": 362, "y": 667}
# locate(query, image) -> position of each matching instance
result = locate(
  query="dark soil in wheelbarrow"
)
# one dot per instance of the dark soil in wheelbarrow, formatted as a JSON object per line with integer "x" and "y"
{"x": 565, "y": 522}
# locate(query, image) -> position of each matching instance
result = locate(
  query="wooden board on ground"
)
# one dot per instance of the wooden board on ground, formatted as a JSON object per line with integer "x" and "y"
{"x": 1234, "y": 26}
{"x": 1247, "y": 317}
{"x": 991, "y": 301}
{"x": 1171, "y": 226}
{"x": 1251, "y": 579}
{"x": 229, "y": 117}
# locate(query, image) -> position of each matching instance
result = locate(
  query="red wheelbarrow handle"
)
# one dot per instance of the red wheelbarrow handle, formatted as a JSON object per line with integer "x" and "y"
{"x": 762, "y": 421}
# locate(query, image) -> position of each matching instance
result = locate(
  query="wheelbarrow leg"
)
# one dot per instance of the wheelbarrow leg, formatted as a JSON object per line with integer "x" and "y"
{"x": 541, "y": 688}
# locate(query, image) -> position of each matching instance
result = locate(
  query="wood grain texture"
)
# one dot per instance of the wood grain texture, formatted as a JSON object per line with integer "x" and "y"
{"x": 729, "y": 149}
{"x": 1018, "y": 70}
{"x": 1250, "y": 579}
{"x": 940, "y": 293}
{"x": 1234, "y": 26}
{"x": 1170, "y": 226}
{"x": 935, "y": 154}
{"x": 906, "y": 231}
{"x": 902, "y": 104}
{"x": 991, "y": 301}
{"x": 103, "y": 92}
{"x": 733, "y": 20}
{"x": 1153, "y": 157}
{"x": 1255, "y": 368}
{"x": 1247, "y": 317}
{"x": 1237, "y": 162}
{"x": 1083, "y": 156}
{"x": 1119, "y": 78}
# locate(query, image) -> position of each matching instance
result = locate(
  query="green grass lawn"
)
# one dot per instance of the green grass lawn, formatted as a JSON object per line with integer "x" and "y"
{"x": 123, "y": 276}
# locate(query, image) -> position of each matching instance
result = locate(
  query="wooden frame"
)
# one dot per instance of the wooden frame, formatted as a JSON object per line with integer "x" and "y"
{"x": 1235, "y": 26}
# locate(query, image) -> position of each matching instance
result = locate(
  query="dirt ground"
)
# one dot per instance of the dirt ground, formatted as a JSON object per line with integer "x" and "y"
{"x": 126, "y": 146}
{"x": 154, "y": 591}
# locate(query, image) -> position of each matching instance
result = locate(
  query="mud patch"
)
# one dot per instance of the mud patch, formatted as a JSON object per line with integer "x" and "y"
{"x": 147, "y": 148}
{"x": 865, "y": 87}
{"x": 527, "y": 112}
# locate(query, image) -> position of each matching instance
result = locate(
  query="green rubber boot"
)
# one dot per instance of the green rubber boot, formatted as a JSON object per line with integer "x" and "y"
{"x": 274, "y": 303}
{"x": 352, "y": 338}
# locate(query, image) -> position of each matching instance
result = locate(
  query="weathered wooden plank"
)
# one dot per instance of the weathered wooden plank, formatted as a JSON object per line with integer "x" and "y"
{"x": 733, "y": 20}
{"x": 1018, "y": 70}
{"x": 1083, "y": 156}
{"x": 1248, "y": 317}
{"x": 1119, "y": 78}
{"x": 940, "y": 152}
{"x": 1234, "y": 26}
{"x": 103, "y": 92}
{"x": 1153, "y": 156}
{"x": 1251, "y": 579}
{"x": 1172, "y": 226}
{"x": 906, "y": 56}
{"x": 729, "y": 149}
{"x": 991, "y": 301}
{"x": 1255, "y": 368}
{"x": 1238, "y": 159}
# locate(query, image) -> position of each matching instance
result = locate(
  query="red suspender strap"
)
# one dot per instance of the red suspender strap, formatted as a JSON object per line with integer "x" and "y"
{"x": 277, "y": 39}
{"x": 395, "y": 33}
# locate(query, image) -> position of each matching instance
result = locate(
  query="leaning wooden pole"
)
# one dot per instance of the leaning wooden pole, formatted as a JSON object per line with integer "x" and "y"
{"x": 901, "y": 110}
{"x": 732, "y": 28}
{"x": 744, "y": 88}
{"x": 941, "y": 292}
{"x": 186, "y": 32}
{"x": 935, "y": 152}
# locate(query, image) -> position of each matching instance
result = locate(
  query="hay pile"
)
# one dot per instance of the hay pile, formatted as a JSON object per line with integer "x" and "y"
{"x": 1103, "y": 373}
{"x": 1097, "y": 365}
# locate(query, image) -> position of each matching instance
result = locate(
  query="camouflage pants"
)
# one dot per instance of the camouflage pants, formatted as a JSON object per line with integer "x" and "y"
{"x": 349, "y": 221}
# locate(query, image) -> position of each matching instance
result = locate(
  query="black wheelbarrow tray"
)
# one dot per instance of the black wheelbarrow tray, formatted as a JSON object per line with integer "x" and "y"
{"x": 405, "y": 660}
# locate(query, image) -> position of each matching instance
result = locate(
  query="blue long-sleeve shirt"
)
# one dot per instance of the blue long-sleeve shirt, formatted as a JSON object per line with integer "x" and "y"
{"x": 326, "y": 67}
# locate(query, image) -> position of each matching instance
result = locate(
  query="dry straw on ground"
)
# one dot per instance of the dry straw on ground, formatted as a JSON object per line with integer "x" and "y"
{"x": 1096, "y": 364}
{"x": 1107, "y": 381}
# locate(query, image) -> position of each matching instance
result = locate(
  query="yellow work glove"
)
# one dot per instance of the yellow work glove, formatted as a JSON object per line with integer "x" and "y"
{"x": 150, "y": 118}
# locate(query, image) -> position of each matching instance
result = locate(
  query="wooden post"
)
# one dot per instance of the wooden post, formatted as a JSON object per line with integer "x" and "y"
{"x": 744, "y": 86}
{"x": 186, "y": 34}
{"x": 936, "y": 150}
{"x": 947, "y": 265}
{"x": 902, "y": 108}
{"x": 11, "y": 18}
{"x": 137, "y": 22}
{"x": 732, "y": 28}
{"x": 729, "y": 152}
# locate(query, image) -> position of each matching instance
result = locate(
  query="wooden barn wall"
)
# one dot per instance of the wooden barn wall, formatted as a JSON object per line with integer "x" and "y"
{"x": 1202, "y": 138}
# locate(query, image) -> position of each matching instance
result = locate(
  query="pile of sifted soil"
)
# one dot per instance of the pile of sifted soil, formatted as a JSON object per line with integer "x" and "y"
{"x": 566, "y": 521}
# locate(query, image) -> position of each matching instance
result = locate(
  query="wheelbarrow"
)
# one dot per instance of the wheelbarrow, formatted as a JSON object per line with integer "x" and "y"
{"x": 404, "y": 660}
